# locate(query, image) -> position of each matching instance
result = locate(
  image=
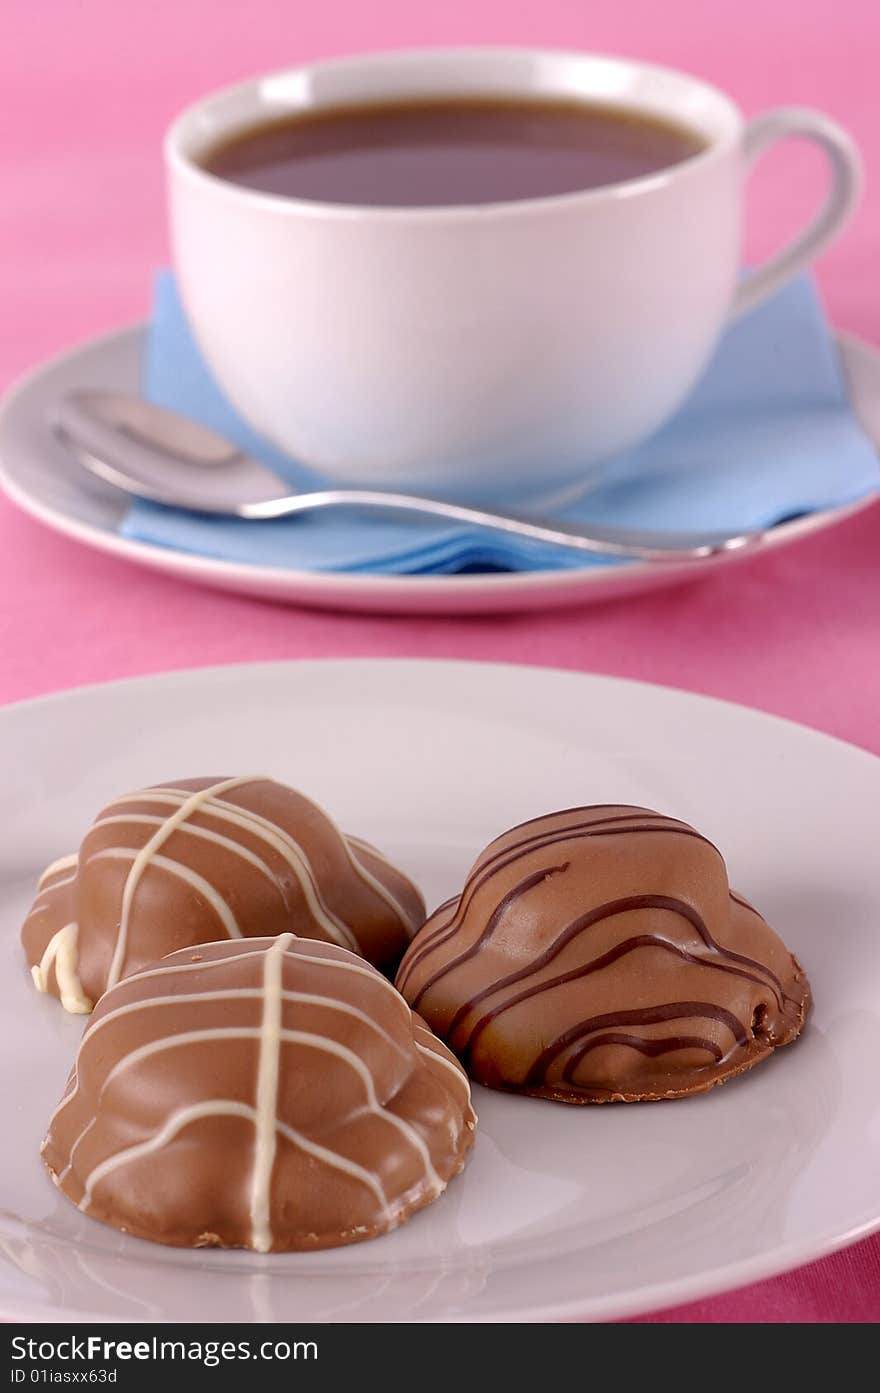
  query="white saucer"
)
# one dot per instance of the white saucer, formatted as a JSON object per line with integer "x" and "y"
{"x": 38, "y": 475}
{"x": 562, "y": 1212}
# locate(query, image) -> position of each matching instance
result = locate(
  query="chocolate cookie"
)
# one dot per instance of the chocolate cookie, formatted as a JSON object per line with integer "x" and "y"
{"x": 202, "y": 859}
{"x": 272, "y": 1093}
{"x": 599, "y": 954}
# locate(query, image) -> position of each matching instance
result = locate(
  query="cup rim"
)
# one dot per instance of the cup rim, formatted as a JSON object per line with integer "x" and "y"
{"x": 183, "y": 164}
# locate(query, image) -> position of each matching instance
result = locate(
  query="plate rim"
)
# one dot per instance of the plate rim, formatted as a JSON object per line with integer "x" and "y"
{"x": 266, "y": 665}
{"x": 645, "y": 1301}
{"x": 642, "y": 1301}
{"x": 337, "y": 587}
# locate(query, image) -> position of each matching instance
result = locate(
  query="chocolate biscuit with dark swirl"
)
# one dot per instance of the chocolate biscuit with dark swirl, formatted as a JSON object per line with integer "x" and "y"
{"x": 598, "y": 954}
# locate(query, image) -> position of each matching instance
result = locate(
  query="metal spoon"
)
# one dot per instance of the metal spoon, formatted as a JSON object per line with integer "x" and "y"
{"x": 156, "y": 454}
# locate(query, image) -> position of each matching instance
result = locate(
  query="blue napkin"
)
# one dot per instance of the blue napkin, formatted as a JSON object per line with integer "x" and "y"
{"x": 767, "y": 434}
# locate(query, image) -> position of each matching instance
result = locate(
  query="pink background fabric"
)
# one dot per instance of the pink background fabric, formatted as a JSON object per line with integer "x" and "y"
{"x": 87, "y": 90}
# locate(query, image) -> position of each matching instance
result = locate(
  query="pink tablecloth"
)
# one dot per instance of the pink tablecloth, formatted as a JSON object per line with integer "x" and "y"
{"x": 87, "y": 90}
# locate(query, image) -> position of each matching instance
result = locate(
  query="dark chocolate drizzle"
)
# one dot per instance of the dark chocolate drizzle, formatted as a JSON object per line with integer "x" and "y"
{"x": 633, "y": 813}
{"x": 672, "y": 1011}
{"x": 649, "y": 1047}
{"x": 571, "y": 931}
{"x": 472, "y": 1017}
{"x": 484, "y": 870}
{"x": 465, "y": 1047}
{"x": 500, "y": 909}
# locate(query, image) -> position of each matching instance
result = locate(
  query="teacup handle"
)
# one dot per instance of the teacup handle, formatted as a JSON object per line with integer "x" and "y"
{"x": 846, "y": 180}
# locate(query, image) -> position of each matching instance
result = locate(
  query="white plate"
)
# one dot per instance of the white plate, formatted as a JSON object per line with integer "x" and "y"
{"x": 39, "y": 476}
{"x": 561, "y": 1212}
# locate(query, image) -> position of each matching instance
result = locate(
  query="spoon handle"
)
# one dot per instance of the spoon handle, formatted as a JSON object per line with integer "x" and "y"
{"x": 634, "y": 544}
{"x": 153, "y": 453}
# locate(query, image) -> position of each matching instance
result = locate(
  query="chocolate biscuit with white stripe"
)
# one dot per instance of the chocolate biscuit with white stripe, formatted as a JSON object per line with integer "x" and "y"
{"x": 203, "y": 859}
{"x": 272, "y": 1093}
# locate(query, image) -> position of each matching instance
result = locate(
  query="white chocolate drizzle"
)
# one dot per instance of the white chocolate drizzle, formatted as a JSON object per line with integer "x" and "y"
{"x": 228, "y": 1107}
{"x": 267, "y": 1093}
{"x": 271, "y": 1036}
{"x": 44, "y": 893}
{"x": 198, "y": 883}
{"x": 64, "y": 863}
{"x": 235, "y": 994}
{"x": 352, "y": 846}
{"x": 191, "y": 804}
{"x": 213, "y": 811}
{"x": 55, "y": 875}
{"x": 62, "y": 951}
{"x": 227, "y": 843}
{"x": 428, "y": 1049}
{"x": 280, "y": 841}
{"x": 356, "y": 965}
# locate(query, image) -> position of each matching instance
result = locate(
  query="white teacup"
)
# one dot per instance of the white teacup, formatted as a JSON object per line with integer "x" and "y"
{"x": 500, "y": 350}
